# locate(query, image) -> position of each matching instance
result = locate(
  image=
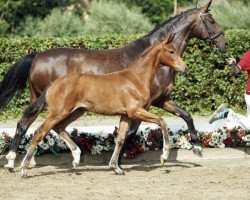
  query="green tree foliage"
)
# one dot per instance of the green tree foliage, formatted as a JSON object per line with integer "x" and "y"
{"x": 234, "y": 15}
{"x": 12, "y": 12}
{"x": 115, "y": 17}
{"x": 57, "y": 23}
{"x": 118, "y": 19}
{"x": 207, "y": 84}
{"x": 156, "y": 10}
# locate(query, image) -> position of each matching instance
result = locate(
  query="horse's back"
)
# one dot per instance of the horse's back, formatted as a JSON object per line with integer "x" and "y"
{"x": 54, "y": 63}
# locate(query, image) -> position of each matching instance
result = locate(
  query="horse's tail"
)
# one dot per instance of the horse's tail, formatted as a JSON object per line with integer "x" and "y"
{"x": 15, "y": 79}
{"x": 37, "y": 106}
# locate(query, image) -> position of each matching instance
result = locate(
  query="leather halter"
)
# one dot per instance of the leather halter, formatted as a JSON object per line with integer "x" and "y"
{"x": 211, "y": 36}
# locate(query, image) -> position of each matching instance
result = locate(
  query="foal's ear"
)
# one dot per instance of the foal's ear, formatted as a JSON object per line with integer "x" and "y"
{"x": 169, "y": 39}
{"x": 205, "y": 8}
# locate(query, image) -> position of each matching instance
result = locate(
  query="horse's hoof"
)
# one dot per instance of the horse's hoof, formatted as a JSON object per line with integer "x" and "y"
{"x": 9, "y": 168}
{"x": 163, "y": 160}
{"x": 197, "y": 150}
{"x": 75, "y": 165}
{"x": 24, "y": 174}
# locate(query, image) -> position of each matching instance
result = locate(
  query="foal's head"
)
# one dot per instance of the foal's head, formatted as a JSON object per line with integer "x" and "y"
{"x": 168, "y": 56}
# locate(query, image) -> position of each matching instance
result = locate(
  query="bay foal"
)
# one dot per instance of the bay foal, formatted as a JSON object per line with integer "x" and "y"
{"x": 41, "y": 69}
{"x": 124, "y": 93}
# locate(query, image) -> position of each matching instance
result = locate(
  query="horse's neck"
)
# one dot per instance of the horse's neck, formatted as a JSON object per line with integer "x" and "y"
{"x": 182, "y": 33}
{"x": 133, "y": 50}
{"x": 146, "y": 66}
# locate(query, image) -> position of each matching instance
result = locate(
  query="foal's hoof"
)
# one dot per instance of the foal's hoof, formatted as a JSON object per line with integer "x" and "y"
{"x": 119, "y": 171}
{"x": 9, "y": 168}
{"x": 75, "y": 165}
{"x": 197, "y": 150}
{"x": 24, "y": 173}
{"x": 32, "y": 163}
{"x": 163, "y": 160}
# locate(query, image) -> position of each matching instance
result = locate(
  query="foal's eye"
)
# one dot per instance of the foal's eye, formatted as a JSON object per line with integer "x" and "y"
{"x": 171, "y": 51}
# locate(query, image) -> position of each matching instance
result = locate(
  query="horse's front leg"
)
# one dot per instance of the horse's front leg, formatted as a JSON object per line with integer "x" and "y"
{"x": 173, "y": 108}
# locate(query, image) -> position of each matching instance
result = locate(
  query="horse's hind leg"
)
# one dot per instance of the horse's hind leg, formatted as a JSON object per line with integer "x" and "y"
{"x": 122, "y": 132}
{"x": 60, "y": 129}
{"x": 133, "y": 128}
{"x": 22, "y": 127}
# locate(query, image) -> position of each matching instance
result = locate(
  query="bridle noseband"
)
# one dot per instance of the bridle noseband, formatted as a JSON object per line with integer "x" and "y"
{"x": 211, "y": 36}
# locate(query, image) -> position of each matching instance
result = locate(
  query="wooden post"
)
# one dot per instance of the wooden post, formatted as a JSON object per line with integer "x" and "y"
{"x": 85, "y": 4}
{"x": 175, "y": 7}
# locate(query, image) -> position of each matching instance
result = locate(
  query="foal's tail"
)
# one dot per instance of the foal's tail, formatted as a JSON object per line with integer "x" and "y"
{"x": 37, "y": 106}
{"x": 15, "y": 79}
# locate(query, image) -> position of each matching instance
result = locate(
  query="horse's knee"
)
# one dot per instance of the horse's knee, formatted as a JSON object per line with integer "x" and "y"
{"x": 187, "y": 117}
{"x": 21, "y": 127}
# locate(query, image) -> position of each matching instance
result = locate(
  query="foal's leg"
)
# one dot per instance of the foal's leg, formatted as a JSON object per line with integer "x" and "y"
{"x": 75, "y": 150}
{"x": 122, "y": 132}
{"x": 171, "y": 107}
{"x": 49, "y": 123}
{"x": 133, "y": 128}
{"x": 143, "y": 115}
{"x": 60, "y": 129}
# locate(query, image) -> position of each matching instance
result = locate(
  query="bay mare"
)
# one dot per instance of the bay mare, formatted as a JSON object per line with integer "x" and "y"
{"x": 124, "y": 93}
{"x": 41, "y": 69}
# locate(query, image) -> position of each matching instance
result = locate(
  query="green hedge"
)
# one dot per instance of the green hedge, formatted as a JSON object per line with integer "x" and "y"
{"x": 208, "y": 83}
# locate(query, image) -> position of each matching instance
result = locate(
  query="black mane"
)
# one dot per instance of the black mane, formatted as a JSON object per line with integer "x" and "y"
{"x": 169, "y": 22}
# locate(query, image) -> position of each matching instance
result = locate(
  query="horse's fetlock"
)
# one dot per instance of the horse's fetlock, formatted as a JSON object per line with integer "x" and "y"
{"x": 11, "y": 155}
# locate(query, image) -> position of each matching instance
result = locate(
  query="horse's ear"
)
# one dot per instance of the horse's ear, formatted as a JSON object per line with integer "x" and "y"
{"x": 205, "y": 8}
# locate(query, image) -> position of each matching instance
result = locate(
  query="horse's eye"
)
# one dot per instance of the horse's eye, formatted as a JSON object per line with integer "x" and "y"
{"x": 211, "y": 20}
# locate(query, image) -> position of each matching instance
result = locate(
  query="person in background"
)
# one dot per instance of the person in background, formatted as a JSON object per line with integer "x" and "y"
{"x": 223, "y": 112}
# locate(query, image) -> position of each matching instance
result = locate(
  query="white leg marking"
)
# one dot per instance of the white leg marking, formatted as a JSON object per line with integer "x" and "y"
{"x": 76, "y": 155}
{"x": 11, "y": 156}
{"x": 24, "y": 173}
{"x": 32, "y": 162}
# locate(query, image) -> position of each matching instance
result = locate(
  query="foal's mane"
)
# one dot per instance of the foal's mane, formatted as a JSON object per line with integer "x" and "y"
{"x": 150, "y": 48}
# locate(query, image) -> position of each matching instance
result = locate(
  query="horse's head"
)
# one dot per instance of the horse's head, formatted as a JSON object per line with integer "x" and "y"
{"x": 207, "y": 29}
{"x": 170, "y": 57}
